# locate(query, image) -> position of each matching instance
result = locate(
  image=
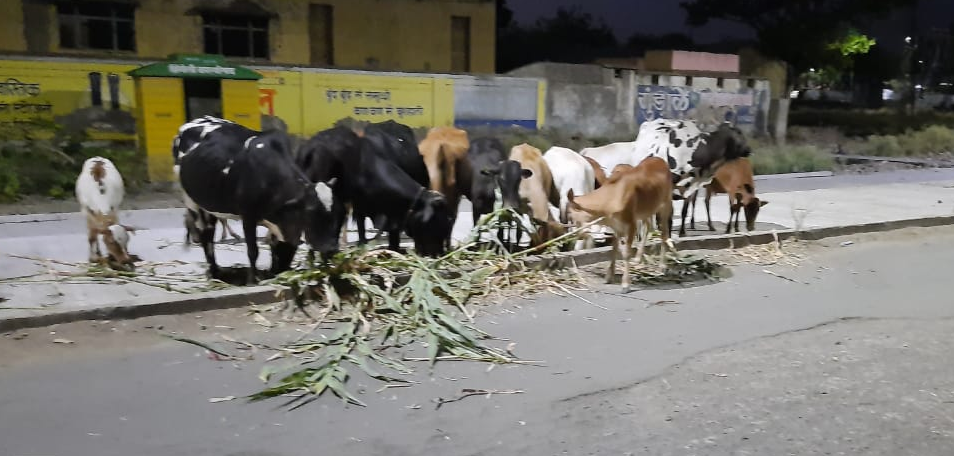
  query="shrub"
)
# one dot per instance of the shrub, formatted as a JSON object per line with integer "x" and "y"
{"x": 869, "y": 122}
{"x": 932, "y": 140}
{"x": 790, "y": 159}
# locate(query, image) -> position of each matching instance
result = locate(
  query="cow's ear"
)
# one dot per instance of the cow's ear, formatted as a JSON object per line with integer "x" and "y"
{"x": 525, "y": 173}
{"x": 569, "y": 195}
{"x": 331, "y": 182}
{"x": 762, "y": 203}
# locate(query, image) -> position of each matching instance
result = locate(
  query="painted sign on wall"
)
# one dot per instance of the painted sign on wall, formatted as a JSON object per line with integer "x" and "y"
{"x": 705, "y": 106}
{"x": 96, "y": 97}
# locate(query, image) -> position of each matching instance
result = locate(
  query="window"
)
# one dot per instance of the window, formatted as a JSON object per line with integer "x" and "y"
{"x": 97, "y": 25}
{"x": 321, "y": 34}
{"x": 235, "y": 36}
{"x": 460, "y": 43}
{"x": 720, "y": 82}
{"x": 689, "y": 81}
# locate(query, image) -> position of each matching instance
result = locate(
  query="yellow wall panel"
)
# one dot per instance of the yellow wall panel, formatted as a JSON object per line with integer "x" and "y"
{"x": 443, "y": 102}
{"x": 240, "y": 103}
{"x": 279, "y": 96}
{"x": 82, "y": 95}
{"x": 162, "y": 111}
{"x": 329, "y": 97}
{"x": 12, "y": 36}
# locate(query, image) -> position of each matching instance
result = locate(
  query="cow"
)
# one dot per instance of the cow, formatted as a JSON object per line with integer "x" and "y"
{"x": 491, "y": 169}
{"x": 537, "y": 193}
{"x": 188, "y": 138}
{"x": 634, "y": 198}
{"x": 445, "y": 155}
{"x": 692, "y": 155}
{"x": 735, "y": 179}
{"x": 372, "y": 181}
{"x": 100, "y": 191}
{"x": 230, "y": 171}
{"x": 571, "y": 171}
{"x": 599, "y": 176}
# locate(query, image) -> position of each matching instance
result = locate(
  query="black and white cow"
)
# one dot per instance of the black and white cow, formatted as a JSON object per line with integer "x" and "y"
{"x": 693, "y": 155}
{"x": 229, "y": 171}
{"x": 372, "y": 180}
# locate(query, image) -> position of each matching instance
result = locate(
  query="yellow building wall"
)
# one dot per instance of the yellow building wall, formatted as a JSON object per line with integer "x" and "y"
{"x": 61, "y": 92}
{"x": 11, "y": 26}
{"x": 240, "y": 103}
{"x": 161, "y": 113}
{"x": 279, "y": 95}
{"x": 329, "y": 97}
{"x": 408, "y": 35}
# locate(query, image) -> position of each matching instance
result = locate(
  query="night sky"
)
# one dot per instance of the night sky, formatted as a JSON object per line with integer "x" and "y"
{"x": 627, "y": 17}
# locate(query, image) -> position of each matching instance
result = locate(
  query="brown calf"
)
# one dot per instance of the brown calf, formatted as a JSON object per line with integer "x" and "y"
{"x": 628, "y": 199}
{"x": 539, "y": 192}
{"x": 734, "y": 178}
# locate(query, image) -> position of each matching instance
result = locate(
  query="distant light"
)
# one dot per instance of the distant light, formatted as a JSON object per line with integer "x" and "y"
{"x": 919, "y": 87}
{"x": 887, "y": 94}
{"x": 907, "y": 39}
{"x": 920, "y": 61}
{"x": 945, "y": 83}
{"x": 812, "y": 70}
{"x": 794, "y": 94}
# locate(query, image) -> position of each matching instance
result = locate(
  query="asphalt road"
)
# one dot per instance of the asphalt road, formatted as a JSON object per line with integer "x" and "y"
{"x": 847, "y": 353}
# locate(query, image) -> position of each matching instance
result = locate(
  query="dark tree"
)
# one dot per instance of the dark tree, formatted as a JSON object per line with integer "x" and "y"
{"x": 570, "y": 36}
{"x": 795, "y": 31}
{"x": 504, "y": 15}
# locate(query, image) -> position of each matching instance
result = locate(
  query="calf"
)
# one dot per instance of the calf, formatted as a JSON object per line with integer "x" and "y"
{"x": 371, "y": 180}
{"x": 100, "y": 191}
{"x": 539, "y": 192}
{"x": 734, "y": 178}
{"x": 635, "y": 197}
{"x": 237, "y": 173}
{"x": 599, "y": 176}
{"x": 445, "y": 154}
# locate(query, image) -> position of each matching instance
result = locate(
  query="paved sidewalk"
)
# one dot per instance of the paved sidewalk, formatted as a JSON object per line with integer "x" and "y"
{"x": 57, "y": 244}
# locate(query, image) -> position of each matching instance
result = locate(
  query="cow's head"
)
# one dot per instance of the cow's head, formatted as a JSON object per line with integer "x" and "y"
{"x": 507, "y": 176}
{"x": 751, "y": 211}
{"x": 116, "y": 238}
{"x": 322, "y": 212}
{"x": 429, "y": 223}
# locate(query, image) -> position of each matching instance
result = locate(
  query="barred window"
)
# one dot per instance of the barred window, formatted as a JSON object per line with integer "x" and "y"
{"x": 97, "y": 25}
{"x": 235, "y": 36}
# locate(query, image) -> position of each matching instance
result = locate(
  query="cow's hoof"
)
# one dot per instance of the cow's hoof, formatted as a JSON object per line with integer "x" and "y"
{"x": 624, "y": 288}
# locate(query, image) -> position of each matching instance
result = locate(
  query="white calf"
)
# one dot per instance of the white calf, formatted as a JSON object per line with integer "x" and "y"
{"x": 100, "y": 191}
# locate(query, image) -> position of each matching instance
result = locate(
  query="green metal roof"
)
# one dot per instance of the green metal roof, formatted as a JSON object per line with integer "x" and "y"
{"x": 195, "y": 66}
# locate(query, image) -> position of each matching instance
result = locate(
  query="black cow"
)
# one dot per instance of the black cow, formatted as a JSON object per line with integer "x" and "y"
{"x": 377, "y": 186}
{"x": 490, "y": 169}
{"x": 229, "y": 171}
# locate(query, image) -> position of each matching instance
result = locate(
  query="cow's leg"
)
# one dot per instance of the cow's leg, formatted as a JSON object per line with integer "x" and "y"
{"x": 394, "y": 240}
{"x": 359, "y": 221}
{"x": 692, "y": 216}
{"x": 283, "y": 253}
{"x": 207, "y": 239}
{"x": 611, "y": 269}
{"x": 249, "y": 224}
{"x": 708, "y": 213}
{"x": 685, "y": 209}
{"x": 630, "y": 234}
{"x": 732, "y": 214}
{"x": 94, "y": 253}
{"x": 664, "y": 242}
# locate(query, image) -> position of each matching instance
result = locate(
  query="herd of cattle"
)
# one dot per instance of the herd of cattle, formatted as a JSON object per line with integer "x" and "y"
{"x": 227, "y": 171}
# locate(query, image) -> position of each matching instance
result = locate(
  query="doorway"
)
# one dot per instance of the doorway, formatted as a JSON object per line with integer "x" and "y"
{"x": 203, "y": 97}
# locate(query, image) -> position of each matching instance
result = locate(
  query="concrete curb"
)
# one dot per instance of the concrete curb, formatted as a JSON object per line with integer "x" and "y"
{"x": 144, "y": 307}
{"x": 239, "y": 297}
{"x": 793, "y": 175}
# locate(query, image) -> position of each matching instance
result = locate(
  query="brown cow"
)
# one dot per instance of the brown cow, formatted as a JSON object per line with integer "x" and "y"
{"x": 539, "y": 192}
{"x": 734, "y": 178}
{"x": 445, "y": 154}
{"x": 632, "y": 198}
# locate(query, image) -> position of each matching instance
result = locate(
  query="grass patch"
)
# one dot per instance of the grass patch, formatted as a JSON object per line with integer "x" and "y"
{"x": 933, "y": 140}
{"x": 861, "y": 123}
{"x": 776, "y": 159}
{"x": 50, "y": 168}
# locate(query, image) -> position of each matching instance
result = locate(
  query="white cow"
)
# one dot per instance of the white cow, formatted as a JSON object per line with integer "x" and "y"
{"x": 100, "y": 192}
{"x": 571, "y": 171}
